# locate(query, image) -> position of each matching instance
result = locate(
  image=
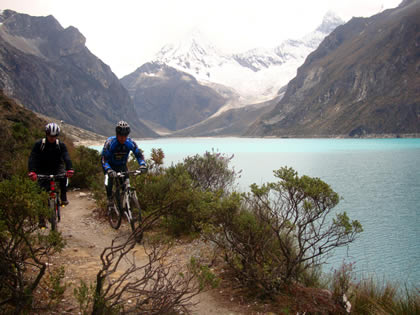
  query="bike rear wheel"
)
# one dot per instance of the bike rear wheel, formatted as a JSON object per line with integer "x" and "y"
{"x": 136, "y": 217}
{"x": 114, "y": 212}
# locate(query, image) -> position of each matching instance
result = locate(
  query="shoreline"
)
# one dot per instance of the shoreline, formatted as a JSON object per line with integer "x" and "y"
{"x": 96, "y": 142}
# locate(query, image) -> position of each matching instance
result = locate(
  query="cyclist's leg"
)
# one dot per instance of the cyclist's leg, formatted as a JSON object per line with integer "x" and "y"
{"x": 63, "y": 191}
{"x": 108, "y": 188}
{"x": 63, "y": 186}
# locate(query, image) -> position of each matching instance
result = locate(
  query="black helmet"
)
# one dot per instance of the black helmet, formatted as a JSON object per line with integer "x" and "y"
{"x": 123, "y": 128}
{"x": 52, "y": 129}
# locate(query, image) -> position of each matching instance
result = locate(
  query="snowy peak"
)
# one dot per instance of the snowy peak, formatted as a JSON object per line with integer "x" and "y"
{"x": 329, "y": 23}
{"x": 256, "y": 74}
{"x": 194, "y": 53}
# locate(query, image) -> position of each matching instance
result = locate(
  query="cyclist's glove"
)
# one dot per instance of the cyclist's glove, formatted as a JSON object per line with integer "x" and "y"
{"x": 69, "y": 173}
{"x": 32, "y": 176}
{"x": 111, "y": 173}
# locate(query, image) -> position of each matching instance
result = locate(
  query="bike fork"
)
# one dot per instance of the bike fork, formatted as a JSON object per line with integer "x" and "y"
{"x": 127, "y": 207}
{"x": 54, "y": 196}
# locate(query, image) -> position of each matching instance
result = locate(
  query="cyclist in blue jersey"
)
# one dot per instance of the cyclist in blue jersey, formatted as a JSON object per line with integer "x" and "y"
{"x": 115, "y": 154}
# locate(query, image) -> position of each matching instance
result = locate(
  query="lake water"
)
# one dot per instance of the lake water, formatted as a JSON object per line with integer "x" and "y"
{"x": 377, "y": 179}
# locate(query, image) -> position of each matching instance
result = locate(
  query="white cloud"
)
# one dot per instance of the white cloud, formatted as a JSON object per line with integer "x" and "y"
{"x": 127, "y": 33}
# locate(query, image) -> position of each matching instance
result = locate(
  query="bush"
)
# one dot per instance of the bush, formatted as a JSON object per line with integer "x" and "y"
{"x": 87, "y": 166}
{"x": 211, "y": 171}
{"x": 23, "y": 248}
{"x": 15, "y": 151}
{"x": 185, "y": 196}
{"x": 159, "y": 285}
{"x": 171, "y": 199}
{"x": 279, "y": 232}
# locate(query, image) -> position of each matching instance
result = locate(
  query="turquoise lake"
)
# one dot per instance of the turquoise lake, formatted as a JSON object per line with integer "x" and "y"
{"x": 377, "y": 179}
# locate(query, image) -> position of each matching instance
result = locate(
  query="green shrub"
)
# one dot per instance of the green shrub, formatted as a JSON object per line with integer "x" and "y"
{"x": 173, "y": 201}
{"x": 279, "y": 233}
{"x": 87, "y": 166}
{"x": 211, "y": 171}
{"x": 183, "y": 197}
{"x": 23, "y": 248}
{"x": 15, "y": 151}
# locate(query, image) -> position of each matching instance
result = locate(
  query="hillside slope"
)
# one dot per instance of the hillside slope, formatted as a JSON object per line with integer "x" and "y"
{"x": 19, "y": 128}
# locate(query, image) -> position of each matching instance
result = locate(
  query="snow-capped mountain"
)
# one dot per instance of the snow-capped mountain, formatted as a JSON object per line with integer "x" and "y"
{"x": 258, "y": 74}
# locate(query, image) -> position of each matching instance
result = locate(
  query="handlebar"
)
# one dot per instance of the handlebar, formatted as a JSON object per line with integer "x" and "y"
{"x": 52, "y": 176}
{"x": 123, "y": 174}
{"x": 135, "y": 173}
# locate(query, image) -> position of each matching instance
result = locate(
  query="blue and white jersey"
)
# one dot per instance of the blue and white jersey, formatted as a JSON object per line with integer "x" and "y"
{"x": 115, "y": 154}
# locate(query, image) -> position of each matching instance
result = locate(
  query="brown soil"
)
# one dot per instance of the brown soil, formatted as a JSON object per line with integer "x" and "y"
{"x": 86, "y": 237}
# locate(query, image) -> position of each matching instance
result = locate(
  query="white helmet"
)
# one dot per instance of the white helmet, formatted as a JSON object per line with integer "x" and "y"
{"x": 52, "y": 129}
{"x": 123, "y": 128}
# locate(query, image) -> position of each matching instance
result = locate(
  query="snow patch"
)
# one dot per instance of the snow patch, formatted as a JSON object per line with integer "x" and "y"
{"x": 256, "y": 75}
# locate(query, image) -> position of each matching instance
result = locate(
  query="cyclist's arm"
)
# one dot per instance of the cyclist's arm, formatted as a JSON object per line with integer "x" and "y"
{"x": 137, "y": 153}
{"x": 66, "y": 156}
{"x": 106, "y": 155}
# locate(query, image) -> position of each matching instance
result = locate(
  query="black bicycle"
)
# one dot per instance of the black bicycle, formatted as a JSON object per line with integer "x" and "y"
{"x": 53, "y": 200}
{"x": 124, "y": 201}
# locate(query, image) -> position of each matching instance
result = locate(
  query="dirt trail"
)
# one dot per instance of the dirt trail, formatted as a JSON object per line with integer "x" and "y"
{"x": 86, "y": 237}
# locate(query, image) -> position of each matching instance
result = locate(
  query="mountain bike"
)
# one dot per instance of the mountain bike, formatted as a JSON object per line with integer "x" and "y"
{"x": 53, "y": 200}
{"x": 124, "y": 201}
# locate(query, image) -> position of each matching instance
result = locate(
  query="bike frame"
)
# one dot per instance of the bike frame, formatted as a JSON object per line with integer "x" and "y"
{"x": 53, "y": 193}
{"x": 123, "y": 185}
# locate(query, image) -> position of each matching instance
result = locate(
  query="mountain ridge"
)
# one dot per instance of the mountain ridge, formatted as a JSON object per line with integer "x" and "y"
{"x": 49, "y": 70}
{"x": 361, "y": 80}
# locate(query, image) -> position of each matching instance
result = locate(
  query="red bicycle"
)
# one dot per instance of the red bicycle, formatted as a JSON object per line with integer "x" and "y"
{"x": 53, "y": 201}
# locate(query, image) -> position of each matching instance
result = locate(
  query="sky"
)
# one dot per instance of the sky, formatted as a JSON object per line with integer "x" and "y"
{"x": 127, "y": 33}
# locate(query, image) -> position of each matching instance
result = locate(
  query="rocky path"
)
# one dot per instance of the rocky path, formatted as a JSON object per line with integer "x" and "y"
{"x": 86, "y": 237}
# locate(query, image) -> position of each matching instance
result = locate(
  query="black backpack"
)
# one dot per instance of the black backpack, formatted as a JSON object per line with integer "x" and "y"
{"x": 57, "y": 142}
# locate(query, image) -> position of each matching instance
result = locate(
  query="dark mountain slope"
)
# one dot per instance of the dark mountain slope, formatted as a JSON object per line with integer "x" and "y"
{"x": 169, "y": 97}
{"x": 50, "y": 70}
{"x": 363, "y": 79}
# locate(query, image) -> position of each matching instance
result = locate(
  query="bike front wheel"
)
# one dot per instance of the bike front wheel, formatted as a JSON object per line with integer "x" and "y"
{"x": 114, "y": 213}
{"x": 136, "y": 217}
{"x": 53, "y": 204}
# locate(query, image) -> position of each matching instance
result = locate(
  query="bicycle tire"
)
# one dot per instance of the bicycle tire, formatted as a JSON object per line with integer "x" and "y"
{"x": 52, "y": 203}
{"x": 114, "y": 212}
{"x": 136, "y": 216}
{"x": 58, "y": 209}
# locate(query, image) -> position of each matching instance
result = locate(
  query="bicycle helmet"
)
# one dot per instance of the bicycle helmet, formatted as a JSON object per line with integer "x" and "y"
{"x": 52, "y": 129}
{"x": 123, "y": 128}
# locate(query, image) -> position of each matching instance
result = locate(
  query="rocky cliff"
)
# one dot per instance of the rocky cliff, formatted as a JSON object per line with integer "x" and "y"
{"x": 49, "y": 69}
{"x": 363, "y": 79}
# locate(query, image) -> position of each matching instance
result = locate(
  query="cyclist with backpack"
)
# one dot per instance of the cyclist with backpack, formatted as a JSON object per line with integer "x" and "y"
{"x": 49, "y": 156}
{"x": 115, "y": 154}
